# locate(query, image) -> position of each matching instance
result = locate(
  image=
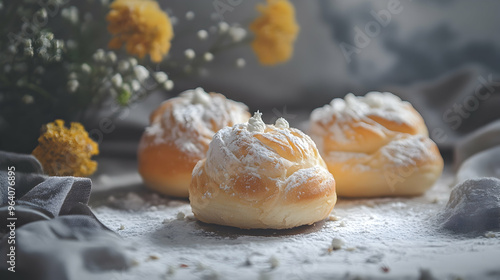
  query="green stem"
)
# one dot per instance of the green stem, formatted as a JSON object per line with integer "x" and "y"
{"x": 40, "y": 91}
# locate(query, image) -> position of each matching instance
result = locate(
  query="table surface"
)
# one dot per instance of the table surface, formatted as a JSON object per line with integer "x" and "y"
{"x": 384, "y": 238}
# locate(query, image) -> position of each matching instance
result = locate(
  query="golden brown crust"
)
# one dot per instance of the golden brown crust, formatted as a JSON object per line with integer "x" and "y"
{"x": 376, "y": 149}
{"x": 270, "y": 179}
{"x": 178, "y": 138}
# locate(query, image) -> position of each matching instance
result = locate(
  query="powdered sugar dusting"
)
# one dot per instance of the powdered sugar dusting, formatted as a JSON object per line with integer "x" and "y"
{"x": 359, "y": 108}
{"x": 255, "y": 123}
{"x": 193, "y": 119}
{"x": 396, "y": 233}
{"x": 238, "y": 148}
{"x": 407, "y": 151}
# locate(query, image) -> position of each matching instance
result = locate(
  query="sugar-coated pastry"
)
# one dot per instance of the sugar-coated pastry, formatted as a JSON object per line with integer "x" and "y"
{"x": 178, "y": 136}
{"x": 376, "y": 145}
{"x": 262, "y": 176}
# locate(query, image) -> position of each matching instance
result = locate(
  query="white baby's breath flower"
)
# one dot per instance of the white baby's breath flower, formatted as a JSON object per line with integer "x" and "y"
{"x": 123, "y": 65}
{"x": 160, "y": 77}
{"x": 43, "y": 13}
{"x": 237, "y": 33}
{"x": 73, "y": 86}
{"x": 190, "y": 54}
{"x": 223, "y": 27}
{"x": 111, "y": 57}
{"x": 49, "y": 35}
{"x": 28, "y": 99}
{"x": 168, "y": 85}
{"x": 132, "y": 61}
{"x": 70, "y": 14}
{"x": 141, "y": 73}
{"x": 208, "y": 56}
{"x": 99, "y": 56}
{"x": 190, "y": 15}
{"x": 28, "y": 52}
{"x": 202, "y": 34}
{"x": 240, "y": 62}
{"x": 136, "y": 86}
{"x": 117, "y": 80}
{"x": 59, "y": 44}
{"x": 28, "y": 43}
{"x": 126, "y": 88}
{"x": 86, "y": 68}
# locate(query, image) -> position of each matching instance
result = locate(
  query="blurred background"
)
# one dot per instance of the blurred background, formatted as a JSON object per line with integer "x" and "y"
{"x": 442, "y": 56}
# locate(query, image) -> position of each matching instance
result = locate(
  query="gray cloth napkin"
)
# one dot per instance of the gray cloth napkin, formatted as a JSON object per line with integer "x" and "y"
{"x": 57, "y": 236}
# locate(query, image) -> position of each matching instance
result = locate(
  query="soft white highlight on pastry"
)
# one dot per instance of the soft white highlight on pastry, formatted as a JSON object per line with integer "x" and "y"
{"x": 281, "y": 123}
{"x": 180, "y": 131}
{"x": 271, "y": 179}
{"x": 199, "y": 96}
{"x": 194, "y": 119}
{"x": 376, "y": 145}
{"x": 352, "y": 108}
{"x": 255, "y": 123}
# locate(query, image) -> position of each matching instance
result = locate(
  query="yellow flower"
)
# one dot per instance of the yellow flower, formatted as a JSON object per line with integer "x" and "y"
{"x": 142, "y": 26}
{"x": 66, "y": 152}
{"x": 275, "y": 32}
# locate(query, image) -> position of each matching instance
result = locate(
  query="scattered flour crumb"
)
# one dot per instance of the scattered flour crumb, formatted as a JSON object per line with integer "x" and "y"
{"x": 490, "y": 234}
{"x": 153, "y": 257}
{"x": 333, "y": 218}
{"x": 342, "y": 224}
{"x": 274, "y": 262}
{"x": 337, "y": 244}
{"x": 122, "y": 227}
{"x": 181, "y": 216}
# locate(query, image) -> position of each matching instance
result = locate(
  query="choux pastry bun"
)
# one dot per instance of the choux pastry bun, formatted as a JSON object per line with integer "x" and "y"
{"x": 262, "y": 176}
{"x": 178, "y": 136}
{"x": 376, "y": 145}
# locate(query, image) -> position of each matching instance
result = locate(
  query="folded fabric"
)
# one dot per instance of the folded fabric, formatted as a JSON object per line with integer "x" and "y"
{"x": 473, "y": 208}
{"x": 483, "y": 164}
{"x": 485, "y": 137}
{"x": 56, "y": 234}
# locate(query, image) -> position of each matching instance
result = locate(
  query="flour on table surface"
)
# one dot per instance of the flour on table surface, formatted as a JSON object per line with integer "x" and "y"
{"x": 396, "y": 235}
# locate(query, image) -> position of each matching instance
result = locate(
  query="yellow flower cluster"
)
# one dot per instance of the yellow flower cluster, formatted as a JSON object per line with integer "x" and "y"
{"x": 142, "y": 26}
{"x": 275, "y": 32}
{"x": 66, "y": 152}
